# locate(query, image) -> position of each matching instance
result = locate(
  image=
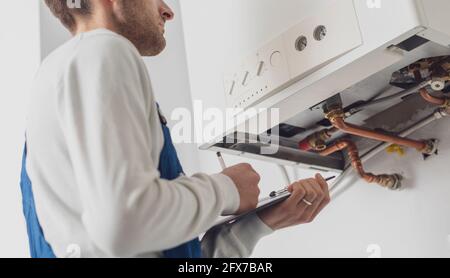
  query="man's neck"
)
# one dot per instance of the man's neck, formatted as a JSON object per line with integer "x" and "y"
{"x": 90, "y": 27}
{"x": 96, "y": 21}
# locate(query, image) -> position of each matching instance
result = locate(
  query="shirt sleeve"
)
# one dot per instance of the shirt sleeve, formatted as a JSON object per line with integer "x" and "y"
{"x": 104, "y": 110}
{"x": 237, "y": 240}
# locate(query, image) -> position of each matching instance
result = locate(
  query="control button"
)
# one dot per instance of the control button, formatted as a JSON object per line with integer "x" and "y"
{"x": 320, "y": 33}
{"x": 301, "y": 43}
{"x": 245, "y": 79}
{"x": 260, "y": 68}
{"x": 230, "y": 91}
{"x": 276, "y": 59}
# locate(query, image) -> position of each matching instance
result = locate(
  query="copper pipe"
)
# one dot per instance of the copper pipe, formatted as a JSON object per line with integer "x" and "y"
{"x": 432, "y": 99}
{"x": 336, "y": 117}
{"x": 436, "y": 116}
{"x": 389, "y": 181}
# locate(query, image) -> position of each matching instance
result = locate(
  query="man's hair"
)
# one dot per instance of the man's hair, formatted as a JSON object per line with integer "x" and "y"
{"x": 66, "y": 10}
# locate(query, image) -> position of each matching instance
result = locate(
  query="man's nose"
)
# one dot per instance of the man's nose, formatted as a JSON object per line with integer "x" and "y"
{"x": 167, "y": 12}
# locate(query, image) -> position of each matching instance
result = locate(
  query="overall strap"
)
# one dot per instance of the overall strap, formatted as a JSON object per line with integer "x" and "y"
{"x": 39, "y": 247}
{"x": 170, "y": 169}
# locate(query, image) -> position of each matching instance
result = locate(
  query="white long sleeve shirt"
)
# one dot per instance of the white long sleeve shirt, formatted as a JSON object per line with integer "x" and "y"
{"x": 94, "y": 140}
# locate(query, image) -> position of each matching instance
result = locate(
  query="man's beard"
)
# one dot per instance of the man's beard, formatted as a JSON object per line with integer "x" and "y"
{"x": 140, "y": 29}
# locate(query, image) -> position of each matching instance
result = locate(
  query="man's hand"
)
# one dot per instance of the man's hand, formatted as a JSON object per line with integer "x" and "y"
{"x": 246, "y": 180}
{"x": 308, "y": 198}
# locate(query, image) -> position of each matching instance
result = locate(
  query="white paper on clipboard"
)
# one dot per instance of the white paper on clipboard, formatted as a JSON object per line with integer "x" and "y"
{"x": 262, "y": 204}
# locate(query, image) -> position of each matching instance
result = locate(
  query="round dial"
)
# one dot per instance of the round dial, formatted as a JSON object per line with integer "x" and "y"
{"x": 301, "y": 43}
{"x": 276, "y": 59}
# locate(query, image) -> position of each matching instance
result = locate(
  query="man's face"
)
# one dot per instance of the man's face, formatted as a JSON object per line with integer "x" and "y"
{"x": 142, "y": 22}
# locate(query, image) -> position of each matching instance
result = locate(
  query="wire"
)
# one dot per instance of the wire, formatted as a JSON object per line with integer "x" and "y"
{"x": 401, "y": 94}
{"x": 296, "y": 175}
{"x": 285, "y": 174}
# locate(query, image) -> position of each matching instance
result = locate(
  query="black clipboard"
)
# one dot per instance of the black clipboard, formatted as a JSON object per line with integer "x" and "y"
{"x": 262, "y": 204}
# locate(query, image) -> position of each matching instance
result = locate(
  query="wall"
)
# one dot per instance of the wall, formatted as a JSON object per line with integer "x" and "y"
{"x": 363, "y": 220}
{"x": 19, "y": 56}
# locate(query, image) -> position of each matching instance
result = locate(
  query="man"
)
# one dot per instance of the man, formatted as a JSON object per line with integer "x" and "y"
{"x": 99, "y": 157}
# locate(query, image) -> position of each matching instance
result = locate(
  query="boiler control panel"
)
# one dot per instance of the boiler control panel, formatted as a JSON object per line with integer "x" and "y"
{"x": 300, "y": 51}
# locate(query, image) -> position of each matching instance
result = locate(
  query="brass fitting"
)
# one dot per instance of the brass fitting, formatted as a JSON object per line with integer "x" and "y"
{"x": 446, "y": 104}
{"x": 317, "y": 141}
{"x": 431, "y": 147}
{"x": 392, "y": 182}
{"x": 317, "y": 144}
{"x": 335, "y": 113}
{"x": 446, "y": 110}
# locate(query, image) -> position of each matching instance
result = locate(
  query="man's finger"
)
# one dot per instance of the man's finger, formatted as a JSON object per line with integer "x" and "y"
{"x": 323, "y": 184}
{"x": 316, "y": 198}
{"x": 298, "y": 193}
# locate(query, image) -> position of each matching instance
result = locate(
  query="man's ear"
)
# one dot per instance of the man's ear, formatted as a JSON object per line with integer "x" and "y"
{"x": 112, "y": 5}
{"x": 104, "y": 4}
{"x": 109, "y": 7}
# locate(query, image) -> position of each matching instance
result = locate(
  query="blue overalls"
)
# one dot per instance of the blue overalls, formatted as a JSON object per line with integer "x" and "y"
{"x": 170, "y": 169}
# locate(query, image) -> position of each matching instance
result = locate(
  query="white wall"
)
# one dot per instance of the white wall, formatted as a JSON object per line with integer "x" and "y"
{"x": 19, "y": 56}
{"x": 414, "y": 222}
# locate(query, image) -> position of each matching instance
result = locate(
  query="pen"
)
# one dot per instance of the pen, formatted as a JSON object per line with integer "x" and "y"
{"x": 276, "y": 193}
{"x": 273, "y": 193}
{"x": 221, "y": 161}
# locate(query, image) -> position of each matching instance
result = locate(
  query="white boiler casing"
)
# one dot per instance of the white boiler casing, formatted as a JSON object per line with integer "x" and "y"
{"x": 340, "y": 44}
